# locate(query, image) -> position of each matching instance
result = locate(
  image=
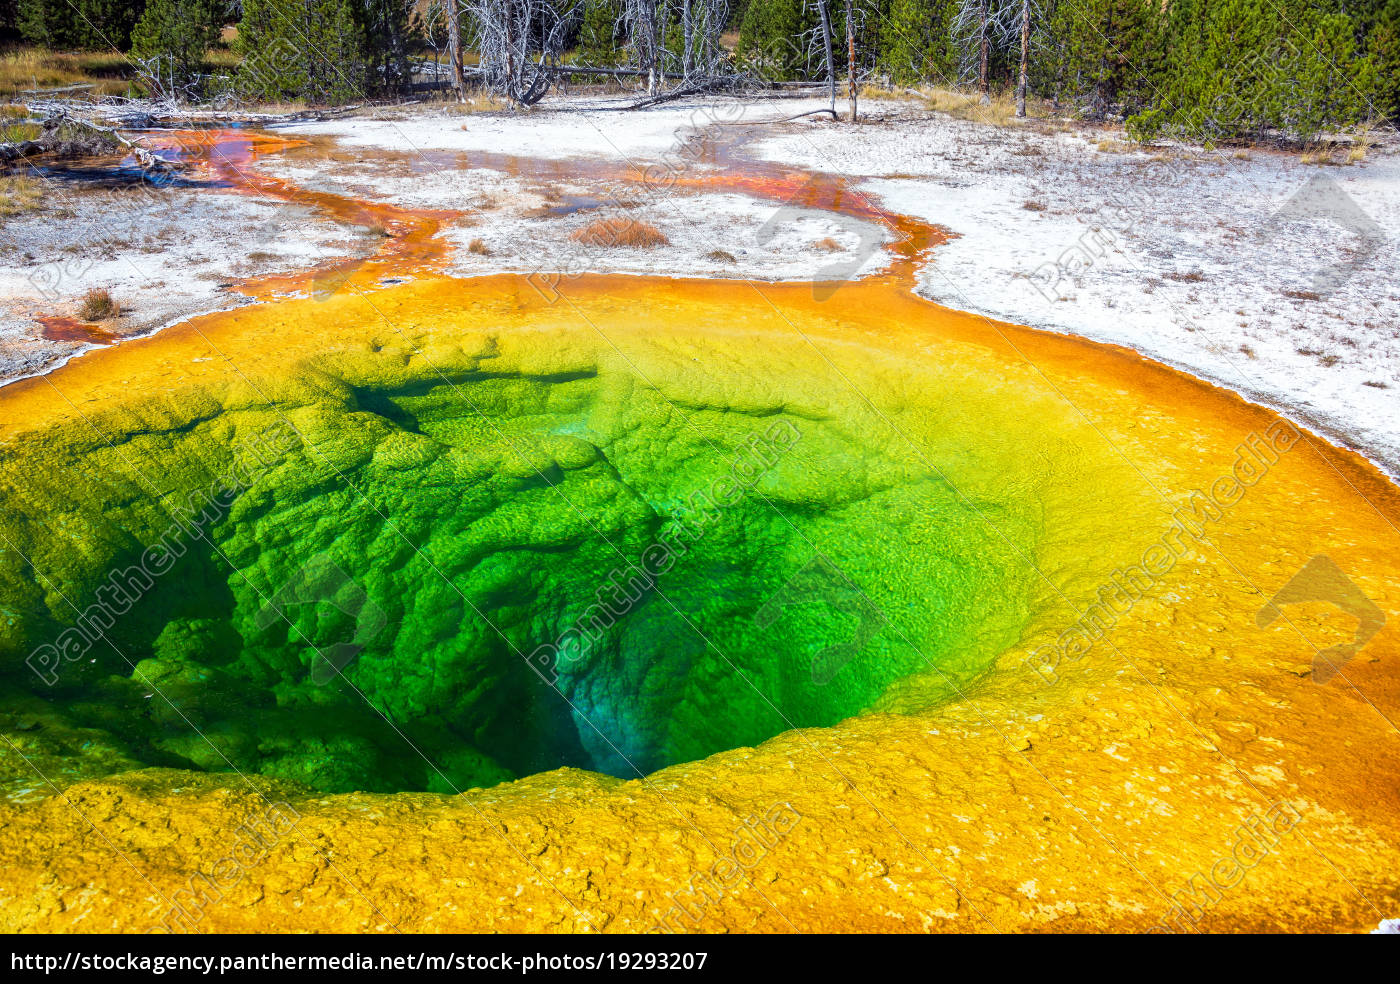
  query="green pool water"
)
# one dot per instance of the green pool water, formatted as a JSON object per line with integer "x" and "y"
{"x": 414, "y": 580}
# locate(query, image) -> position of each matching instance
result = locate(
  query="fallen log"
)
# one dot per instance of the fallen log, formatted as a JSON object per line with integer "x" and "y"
{"x": 25, "y": 148}
{"x": 144, "y": 157}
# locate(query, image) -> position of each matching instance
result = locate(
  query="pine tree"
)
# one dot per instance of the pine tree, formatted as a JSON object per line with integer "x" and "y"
{"x": 773, "y": 37}
{"x": 305, "y": 49}
{"x": 97, "y": 25}
{"x": 914, "y": 42}
{"x": 1099, "y": 54}
{"x": 383, "y": 28}
{"x": 599, "y": 42}
{"x": 178, "y": 33}
{"x": 1258, "y": 69}
{"x": 9, "y": 20}
{"x": 1381, "y": 27}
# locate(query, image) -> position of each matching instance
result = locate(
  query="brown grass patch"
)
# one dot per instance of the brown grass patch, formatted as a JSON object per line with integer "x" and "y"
{"x": 97, "y": 305}
{"x": 477, "y": 102}
{"x": 27, "y": 67}
{"x": 1303, "y": 295}
{"x": 1190, "y": 277}
{"x": 1033, "y": 206}
{"x": 1112, "y": 145}
{"x": 721, "y": 256}
{"x": 620, "y": 232}
{"x": 828, "y": 245}
{"x": 478, "y": 247}
{"x": 19, "y": 193}
{"x": 1001, "y": 111}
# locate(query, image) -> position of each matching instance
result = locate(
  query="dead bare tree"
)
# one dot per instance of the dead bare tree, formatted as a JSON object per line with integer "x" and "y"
{"x": 510, "y": 33}
{"x": 700, "y": 59}
{"x": 978, "y": 27}
{"x": 824, "y": 15}
{"x": 707, "y": 55}
{"x": 642, "y": 20}
{"x": 1030, "y": 10}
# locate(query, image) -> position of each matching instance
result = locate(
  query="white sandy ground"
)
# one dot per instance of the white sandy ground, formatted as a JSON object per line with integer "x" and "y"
{"x": 1184, "y": 256}
{"x": 163, "y": 256}
{"x": 1178, "y": 253}
{"x": 766, "y": 240}
{"x": 709, "y": 235}
{"x": 581, "y": 128}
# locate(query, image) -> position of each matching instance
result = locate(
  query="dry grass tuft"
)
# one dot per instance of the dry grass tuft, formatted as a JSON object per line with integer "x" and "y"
{"x": 19, "y": 193}
{"x": 479, "y": 102}
{"x": 1360, "y": 144}
{"x": 1317, "y": 154}
{"x": 620, "y": 232}
{"x": 98, "y": 305}
{"x": 721, "y": 256}
{"x": 828, "y": 245}
{"x": 1111, "y": 145}
{"x": 478, "y": 247}
{"x": 1001, "y": 111}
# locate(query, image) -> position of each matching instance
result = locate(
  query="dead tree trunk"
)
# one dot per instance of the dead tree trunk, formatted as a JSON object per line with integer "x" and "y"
{"x": 825, "y": 15}
{"x": 851, "y": 56}
{"x": 1021, "y": 83}
{"x": 454, "y": 47}
{"x": 984, "y": 82}
{"x": 686, "y": 30}
{"x": 654, "y": 44}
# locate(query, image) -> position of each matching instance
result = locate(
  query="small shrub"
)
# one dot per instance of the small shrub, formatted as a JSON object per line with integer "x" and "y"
{"x": 98, "y": 305}
{"x": 620, "y": 232}
{"x": 720, "y": 256}
{"x": 478, "y": 247}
